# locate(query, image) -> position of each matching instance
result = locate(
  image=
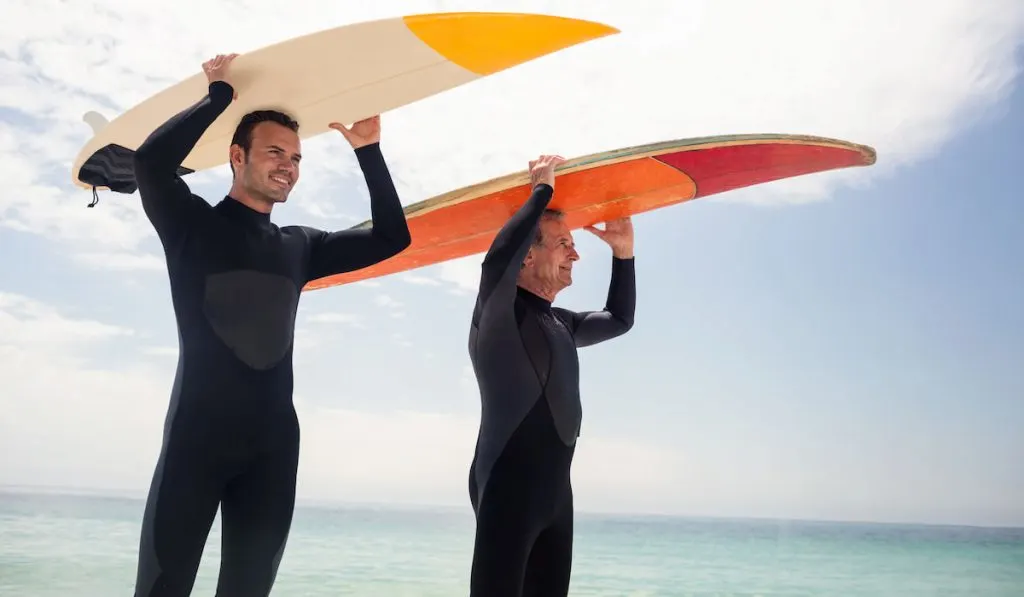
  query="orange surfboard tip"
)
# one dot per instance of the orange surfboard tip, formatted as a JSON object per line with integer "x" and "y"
{"x": 488, "y": 42}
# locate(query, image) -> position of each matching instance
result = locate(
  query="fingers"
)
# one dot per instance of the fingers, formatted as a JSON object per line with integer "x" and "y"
{"x": 219, "y": 60}
{"x": 546, "y": 161}
{"x": 216, "y": 68}
{"x": 340, "y": 127}
{"x": 347, "y": 132}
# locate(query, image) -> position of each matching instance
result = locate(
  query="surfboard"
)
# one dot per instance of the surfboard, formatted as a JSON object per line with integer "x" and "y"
{"x": 604, "y": 186}
{"x": 343, "y": 74}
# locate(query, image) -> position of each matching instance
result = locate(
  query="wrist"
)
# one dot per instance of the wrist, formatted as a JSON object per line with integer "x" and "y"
{"x": 220, "y": 89}
{"x": 622, "y": 252}
{"x": 366, "y": 147}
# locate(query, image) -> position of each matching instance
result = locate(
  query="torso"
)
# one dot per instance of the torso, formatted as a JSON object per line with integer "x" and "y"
{"x": 236, "y": 280}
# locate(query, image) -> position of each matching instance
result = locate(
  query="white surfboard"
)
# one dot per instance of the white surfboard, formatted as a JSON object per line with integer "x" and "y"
{"x": 343, "y": 74}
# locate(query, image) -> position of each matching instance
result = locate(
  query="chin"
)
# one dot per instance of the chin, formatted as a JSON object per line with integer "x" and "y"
{"x": 277, "y": 195}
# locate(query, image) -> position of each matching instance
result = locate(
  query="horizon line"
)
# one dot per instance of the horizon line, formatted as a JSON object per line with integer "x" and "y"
{"x": 341, "y": 504}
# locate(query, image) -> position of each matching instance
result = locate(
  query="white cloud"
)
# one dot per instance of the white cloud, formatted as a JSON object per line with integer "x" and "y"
{"x": 122, "y": 261}
{"x": 383, "y": 300}
{"x": 333, "y": 317}
{"x": 30, "y": 324}
{"x": 71, "y": 423}
{"x": 417, "y": 279}
{"x": 463, "y": 274}
{"x": 901, "y": 76}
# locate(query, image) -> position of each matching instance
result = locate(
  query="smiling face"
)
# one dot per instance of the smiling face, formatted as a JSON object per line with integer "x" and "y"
{"x": 265, "y": 157}
{"x": 548, "y": 264}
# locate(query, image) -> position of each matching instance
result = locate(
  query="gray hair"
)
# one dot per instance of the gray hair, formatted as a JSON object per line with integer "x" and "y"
{"x": 549, "y": 214}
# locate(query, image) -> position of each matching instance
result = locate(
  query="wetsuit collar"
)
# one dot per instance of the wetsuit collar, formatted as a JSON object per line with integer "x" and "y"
{"x": 533, "y": 300}
{"x": 243, "y": 213}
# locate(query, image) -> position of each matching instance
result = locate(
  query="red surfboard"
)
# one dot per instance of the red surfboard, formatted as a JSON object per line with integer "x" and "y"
{"x": 605, "y": 186}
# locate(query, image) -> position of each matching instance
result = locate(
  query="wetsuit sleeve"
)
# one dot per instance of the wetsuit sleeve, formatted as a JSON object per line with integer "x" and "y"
{"x": 388, "y": 235}
{"x": 166, "y": 198}
{"x": 592, "y": 327}
{"x": 500, "y": 266}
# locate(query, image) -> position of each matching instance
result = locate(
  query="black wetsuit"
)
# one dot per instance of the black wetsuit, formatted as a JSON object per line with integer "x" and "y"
{"x": 524, "y": 355}
{"x": 231, "y": 437}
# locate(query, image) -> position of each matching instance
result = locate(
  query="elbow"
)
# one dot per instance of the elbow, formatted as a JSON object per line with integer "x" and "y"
{"x": 404, "y": 240}
{"x": 625, "y": 319}
{"x": 401, "y": 240}
{"x": 395, "y": 242}
{"x": 625, "y": 324}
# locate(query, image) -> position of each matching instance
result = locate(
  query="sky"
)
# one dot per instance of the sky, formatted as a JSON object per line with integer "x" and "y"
{"x": 842, "y": 346}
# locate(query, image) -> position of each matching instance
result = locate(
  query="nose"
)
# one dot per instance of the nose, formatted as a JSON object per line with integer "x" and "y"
{"x": 573, "y": 255}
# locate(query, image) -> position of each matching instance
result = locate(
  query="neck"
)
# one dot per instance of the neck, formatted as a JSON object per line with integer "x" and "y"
{"x": 254, "y": 203}
{"x": 545, "y": 292}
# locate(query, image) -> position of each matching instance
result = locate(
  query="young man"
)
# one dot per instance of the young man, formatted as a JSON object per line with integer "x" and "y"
{"x": 231, "y": 437}
{"x": 524, "y": 354}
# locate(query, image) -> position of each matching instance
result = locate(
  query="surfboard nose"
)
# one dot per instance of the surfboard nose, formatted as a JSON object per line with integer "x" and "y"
{"x": 487, "y": 42}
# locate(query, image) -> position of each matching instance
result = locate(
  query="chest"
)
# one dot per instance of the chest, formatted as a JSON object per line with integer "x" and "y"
{"x": 222, "y": 246}
{"x": 550, "y": 345}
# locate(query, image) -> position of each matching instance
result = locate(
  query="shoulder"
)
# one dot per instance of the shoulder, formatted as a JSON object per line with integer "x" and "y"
{"x": 566, "y": 316}
{"x": 307, "y": 232}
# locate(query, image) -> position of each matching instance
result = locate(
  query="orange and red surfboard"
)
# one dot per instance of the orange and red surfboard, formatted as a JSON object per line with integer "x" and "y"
{"x": 608, "y": 185}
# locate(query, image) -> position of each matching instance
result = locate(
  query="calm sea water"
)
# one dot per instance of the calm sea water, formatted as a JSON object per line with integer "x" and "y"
{"x": 84, "y": 546}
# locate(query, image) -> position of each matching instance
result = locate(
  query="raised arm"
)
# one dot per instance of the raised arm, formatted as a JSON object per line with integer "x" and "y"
{"x": 388, "y": 235}
{"x": 166, "y": 199}
{"x": 591, "y": 327}
{"x": 500, "y": 266}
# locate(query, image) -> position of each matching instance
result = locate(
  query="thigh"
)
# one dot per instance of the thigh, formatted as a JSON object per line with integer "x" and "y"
{"x": 504, "y": 535}
{"x": 257, "y": 515}
{"x": 550, "y": 564}
{"x": 182, "y": 504}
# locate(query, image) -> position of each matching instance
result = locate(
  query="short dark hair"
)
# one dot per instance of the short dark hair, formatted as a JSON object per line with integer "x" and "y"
{"x": 243, "y": 132}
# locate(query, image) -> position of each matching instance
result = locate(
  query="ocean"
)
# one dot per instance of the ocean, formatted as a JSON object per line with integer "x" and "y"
{"x": 74, "y": 546}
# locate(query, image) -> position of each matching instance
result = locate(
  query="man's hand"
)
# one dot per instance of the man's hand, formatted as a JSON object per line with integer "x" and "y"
{"x": 619, "y": 236}
{"x": 365, "y": 132}
{"x": 217, "y": 68}
{"x": 542, "y": 170}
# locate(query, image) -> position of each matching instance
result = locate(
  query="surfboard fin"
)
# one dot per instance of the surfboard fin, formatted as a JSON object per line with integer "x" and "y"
{"x": 96, "y": 121}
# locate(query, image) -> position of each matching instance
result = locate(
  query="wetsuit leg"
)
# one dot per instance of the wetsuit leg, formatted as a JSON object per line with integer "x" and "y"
{"x": 180, "y": 510}
{"x": 550, "y": 565}
{"x": 504, "y": 538}
{"x": 257, "y": 515}
{"x": 524, "y": 514}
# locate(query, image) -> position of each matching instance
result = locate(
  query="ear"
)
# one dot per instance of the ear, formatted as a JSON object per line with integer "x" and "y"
{"x": 527, "y": 261}
{"x": 236, "y": 156}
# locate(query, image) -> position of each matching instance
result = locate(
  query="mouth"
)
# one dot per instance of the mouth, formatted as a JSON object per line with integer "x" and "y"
{"x": 280, "y": 180}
